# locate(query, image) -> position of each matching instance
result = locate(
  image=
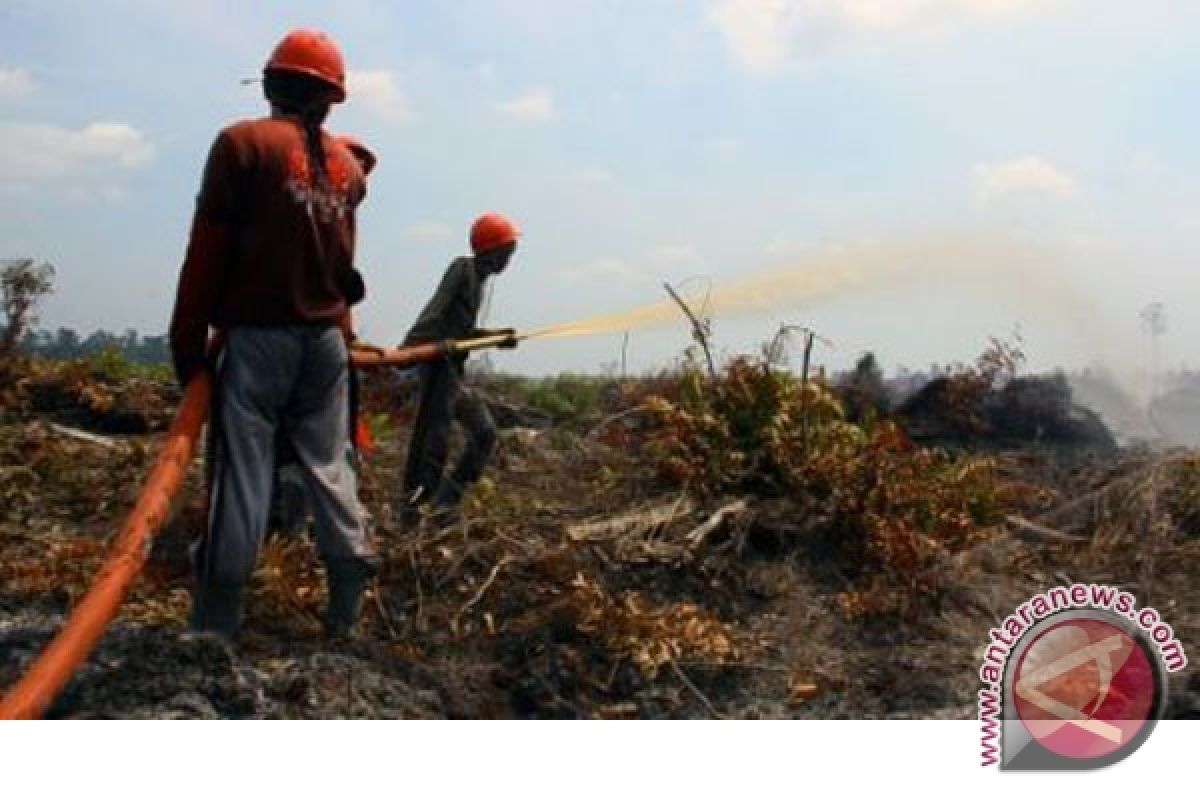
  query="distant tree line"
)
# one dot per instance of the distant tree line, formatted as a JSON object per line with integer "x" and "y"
{"x": 66, "y": 343}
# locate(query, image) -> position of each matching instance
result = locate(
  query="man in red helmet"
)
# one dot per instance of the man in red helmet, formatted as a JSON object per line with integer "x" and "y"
{"x": 451, "y": 314}
{"x": 270, "y": 263}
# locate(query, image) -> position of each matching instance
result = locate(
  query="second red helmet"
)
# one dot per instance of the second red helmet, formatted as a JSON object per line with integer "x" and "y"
{"x": 491, "y": 231}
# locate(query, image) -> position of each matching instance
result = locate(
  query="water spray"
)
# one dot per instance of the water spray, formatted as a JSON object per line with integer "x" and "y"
{"x": 1026, "y": 271}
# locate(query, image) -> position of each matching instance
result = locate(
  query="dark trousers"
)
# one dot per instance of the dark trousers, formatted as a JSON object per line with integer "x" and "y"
{"x": 444, "y": 398}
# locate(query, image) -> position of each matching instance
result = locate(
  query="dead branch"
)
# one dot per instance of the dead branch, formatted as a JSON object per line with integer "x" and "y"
{"x": 642, "y": 521}
{"x": 700, "y": 330}
{"x": 701, "y": 532}
{"x": 84, "y": 436}
{"x": 384, "y": 616}
{"x": 604, "y": 423}
{"x": 683, "y": 678}
{"x": 491, "y": 578}
{"x": 624, "y": 352}
{"x": 418, "y": 619}
{"x": 1031, "y": 530}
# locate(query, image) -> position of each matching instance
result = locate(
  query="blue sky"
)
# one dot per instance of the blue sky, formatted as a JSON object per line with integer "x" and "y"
{"x": 638, "y": 142}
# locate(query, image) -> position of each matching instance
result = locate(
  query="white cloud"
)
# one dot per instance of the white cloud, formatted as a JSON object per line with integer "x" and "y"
{"x": 594, "y": 176}
{"x": 536, "y": 105}
{"x": 1189, "y": 223}
{"x": 766, "y": 35}
{"x": 603, "y": 270}
{"x": 379, "y": 92}
{"x": 674, "y": 254}
{"x": 427, "y": 232}
{"x": 31, "y": 153}
{"x": 760, "y": 33}
{"x": 1027, "y": 176}
{"x": 14, "y": 83}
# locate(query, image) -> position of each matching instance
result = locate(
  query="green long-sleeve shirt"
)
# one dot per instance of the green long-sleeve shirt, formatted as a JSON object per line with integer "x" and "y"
{"x": 453, "y": 310}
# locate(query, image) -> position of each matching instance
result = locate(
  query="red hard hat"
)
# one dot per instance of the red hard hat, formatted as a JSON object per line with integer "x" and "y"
{"x": 359, "y": 151}
{"x": 311, "y": 53}
{"x": 492, "y": 230}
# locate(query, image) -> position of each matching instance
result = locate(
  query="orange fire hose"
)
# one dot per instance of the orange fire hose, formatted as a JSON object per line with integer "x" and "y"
{"x": 34, "y": 693}
{"x": 367, "y": 357}
{"x": 88, "y": 621}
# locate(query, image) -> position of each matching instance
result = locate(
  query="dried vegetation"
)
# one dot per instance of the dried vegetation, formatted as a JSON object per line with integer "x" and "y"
{"x": 687, "y": 545}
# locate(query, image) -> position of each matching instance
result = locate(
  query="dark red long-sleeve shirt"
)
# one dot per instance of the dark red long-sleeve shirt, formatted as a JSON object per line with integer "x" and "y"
{"x": 270, "y": 244}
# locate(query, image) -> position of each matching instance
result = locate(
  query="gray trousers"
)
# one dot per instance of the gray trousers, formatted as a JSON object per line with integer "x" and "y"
{"x": 294, "y": 380}
{"x": 444, "y": 398}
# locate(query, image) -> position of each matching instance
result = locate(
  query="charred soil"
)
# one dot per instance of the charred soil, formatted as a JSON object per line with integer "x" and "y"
{"x": 684, "y": 546}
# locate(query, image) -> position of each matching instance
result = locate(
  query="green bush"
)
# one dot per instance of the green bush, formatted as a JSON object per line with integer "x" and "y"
{"x": 113, "y": 365}
{"x": 564, "y": 397}
{"x": 892, "y": 512}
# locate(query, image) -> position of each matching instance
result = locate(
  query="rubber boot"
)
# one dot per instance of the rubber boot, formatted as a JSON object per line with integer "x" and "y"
{"x": 348, "y": 579}
{"x": 217, "y": 608}
{"x": 445, "y": 516}
{"x": 408, "y": 517}
{"x": 447, "y": 505}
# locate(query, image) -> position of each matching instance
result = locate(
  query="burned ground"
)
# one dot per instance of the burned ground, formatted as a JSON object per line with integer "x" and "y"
{"x": 601, "y": 569}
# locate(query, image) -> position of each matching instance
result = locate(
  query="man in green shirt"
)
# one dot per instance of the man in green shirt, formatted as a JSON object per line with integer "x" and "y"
{"x": 452, "y": 314}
